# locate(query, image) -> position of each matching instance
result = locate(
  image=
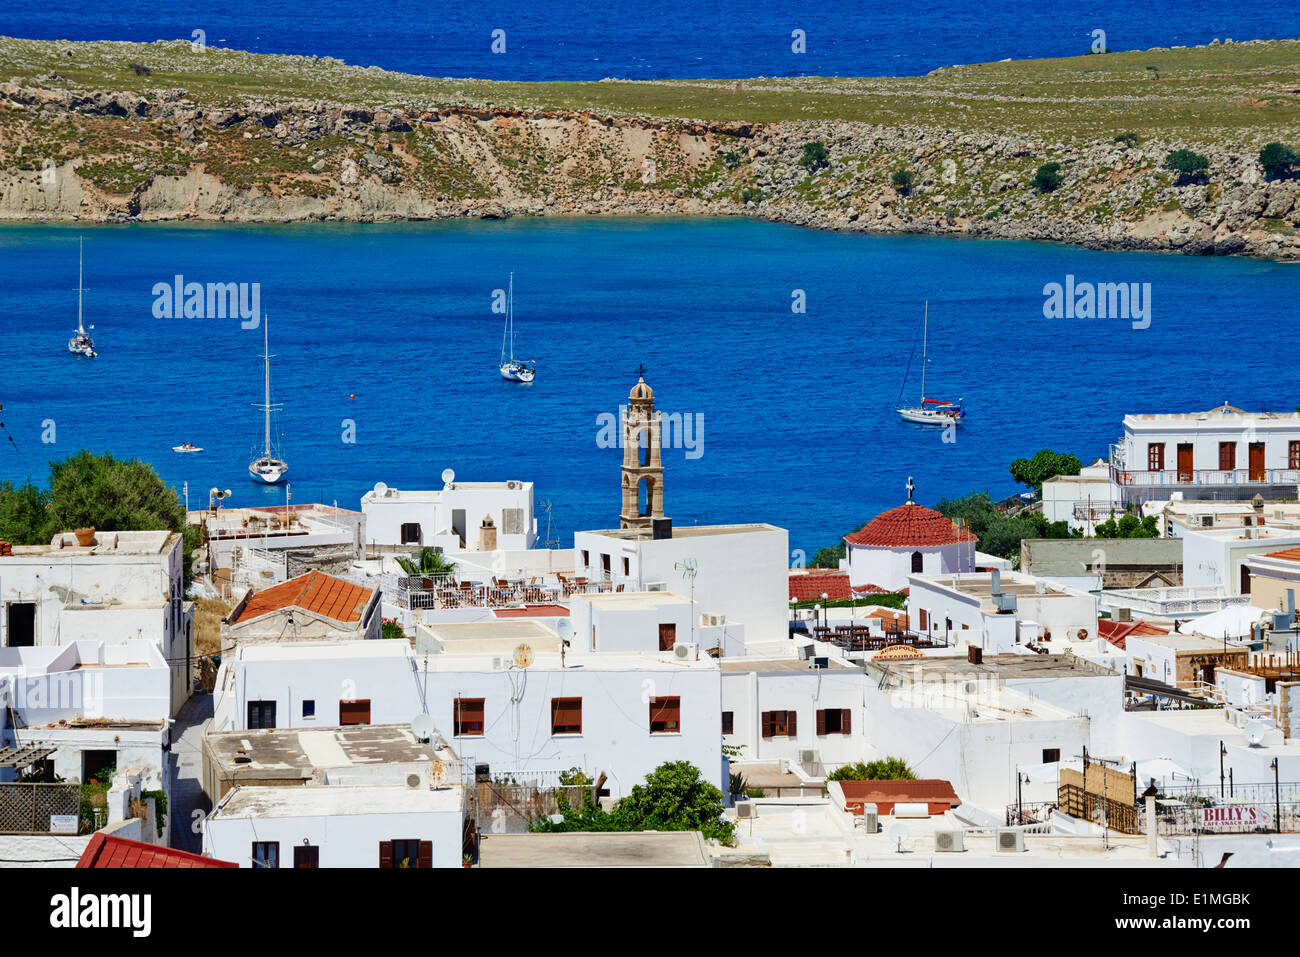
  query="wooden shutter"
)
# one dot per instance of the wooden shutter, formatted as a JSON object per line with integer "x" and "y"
{"x": 306, "y": 856}
{"x": 667, "y": 636}
{"x": 354, "y": 712}
{"x": 846, "y": 721}
{"x": 426, "y": 854}
{"x": 790, "y": 729}
{"x": 566, "y": 715}
{"x": 821, "y": 721}
{"x": 386, "y": 854}
{"x": 767, "y": 724}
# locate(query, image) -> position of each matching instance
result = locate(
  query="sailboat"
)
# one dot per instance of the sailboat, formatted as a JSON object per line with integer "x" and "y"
{"x": 81, "y": 344}
{"x": 930, "y": 411}
{"x": 267, "y": 468}
{"x": 511, "y": 368}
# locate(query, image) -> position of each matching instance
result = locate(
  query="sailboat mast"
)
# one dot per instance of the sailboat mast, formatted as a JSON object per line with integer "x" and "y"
{"x": 81, "y": 274}
{"x": 925, "y": 344}
{"x": 266, "y": 354}
{"x": 511, "y": 307}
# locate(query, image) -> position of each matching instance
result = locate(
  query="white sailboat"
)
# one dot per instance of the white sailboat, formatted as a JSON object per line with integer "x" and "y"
{"x": 511, "y": 368}
{"x": 929, "y": 411}
{"x": 81, "y": 344}
{"x": 267, "y": 468}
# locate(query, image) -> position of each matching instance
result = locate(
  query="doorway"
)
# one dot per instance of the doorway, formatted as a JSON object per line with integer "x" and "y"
{"x": 22, "y": 624}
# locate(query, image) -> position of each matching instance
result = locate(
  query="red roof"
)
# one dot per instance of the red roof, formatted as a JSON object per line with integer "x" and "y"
{"x": 909, "y": 526}
{"x": 532, "y": 611}
{"x": 105, "y": 850}
{"x": 1286, "y": 555}
{"x": 937, "y": 793}
{"x": 1117, "y": 632}
{"x": 811, "y": 584}
{"x": 315, "y": 592}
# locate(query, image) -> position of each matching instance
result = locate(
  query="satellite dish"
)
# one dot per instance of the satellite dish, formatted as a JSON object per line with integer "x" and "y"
{"x": 438, "y": 774}
{"x": 1254, "y": 732}
{"x": 423, "y": 727}
{"x": 564, "y": 628}
{"x": 380, "y": 489}
{"x": 898, "y": 835}
{"x": 523, "y": 656}
{"x": 448, "y": 476}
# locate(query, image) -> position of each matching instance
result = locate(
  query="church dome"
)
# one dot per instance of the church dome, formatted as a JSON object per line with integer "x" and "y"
{"x": 641, "y": 391}
{"x": 909, "y": 526}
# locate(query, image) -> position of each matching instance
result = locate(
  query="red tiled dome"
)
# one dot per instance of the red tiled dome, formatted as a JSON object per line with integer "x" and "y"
{"x": 909, "y": 526}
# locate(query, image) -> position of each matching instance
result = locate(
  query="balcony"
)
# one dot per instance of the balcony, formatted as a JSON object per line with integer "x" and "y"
{"x": 1203, "y": 478}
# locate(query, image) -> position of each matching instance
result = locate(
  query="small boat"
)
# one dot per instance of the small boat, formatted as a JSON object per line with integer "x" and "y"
{"x": 81, "y": 344}
{"x": 515, "y": 370}
{"x": 187, "y": 447}
{"x": 929, "y": 411}
{"x": 267, "y": 468}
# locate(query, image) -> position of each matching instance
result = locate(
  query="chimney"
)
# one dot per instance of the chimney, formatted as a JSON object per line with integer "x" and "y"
{"x": 487, "y": 535}
{"x": 975, "y": 654}
{"x": 995, "y": 581}
{"x": 1123, "y": 614}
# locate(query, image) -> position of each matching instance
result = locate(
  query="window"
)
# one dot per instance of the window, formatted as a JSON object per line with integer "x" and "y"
{"x": 354, "y": 712}
{"x": 627, "y": 567}
{"x": 410, "y": 533}
{"x": 779, "y": 724}
{"x": 925, "y": 620}
{"x": 1245, "y": 580}
{"x": 1228, "y": 456}
{"x": 834, "y": 721}
{"x": 917, "y": 561}
{"x": 667, "y": 636}
{"x": 306, "y": 856}
{"x": 512, "y": 521}
{"x": 467, "y": 717}
{"x": 586, "y": 559}
{"x": 665, "y": 715}
{"x": 604, "y": 565}
{"x": 566, "y": 716}
{"x": 309, "y": 707}
{"x": 1293, "y": 455}
{"x": 22, "y": 624}
{"x": 1156, "y": 457}
{"x": 266, "y": 853}
{"x": 1051, "y": 755}
{"x": 261, "y": 715}
{"x": 405, "y": 853}
{"x": 728, "y": 722}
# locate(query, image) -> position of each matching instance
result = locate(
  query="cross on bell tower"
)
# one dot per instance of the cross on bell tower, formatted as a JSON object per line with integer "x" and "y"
{"x": 642, "y": 463}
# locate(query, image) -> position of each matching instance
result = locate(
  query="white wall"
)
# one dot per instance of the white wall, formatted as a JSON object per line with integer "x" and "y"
{"x": 748, "y": 694}
{"x": 436, "y": 513}
{"x": 1205, "y": 438}
{"x": 742, "y": 574}
{"x": 890, "y": 568}
{"x": 629, "y": 625}
{"x": 345, "y": 840}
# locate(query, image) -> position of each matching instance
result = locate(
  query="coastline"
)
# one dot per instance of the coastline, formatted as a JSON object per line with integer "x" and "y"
{"x": 160, "y": 152}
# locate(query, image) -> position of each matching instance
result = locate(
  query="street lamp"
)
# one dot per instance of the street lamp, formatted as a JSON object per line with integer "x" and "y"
{"x": 826, "y": 614}
{"x": 1223, "y": 751}
{"x": 1277, "y": 799}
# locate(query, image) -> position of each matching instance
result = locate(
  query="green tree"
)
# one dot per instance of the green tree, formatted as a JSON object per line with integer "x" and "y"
{"x": 1126, "y": 139}
{"x": 903, "y": 180}
{"x": 888, "y": 769}
{"x": 1047, "y": 178}
{"x": 1129, "y": 526}
{"x": 428, "y": 562}
{"x": 815, "y": 156}
{"x": 1191, "y": 167}
{"x": 24, "y": 515}
{"x": 828, "y": 556}
{"x": 1044, "y": 465}
{"x": 1279, "y": 161}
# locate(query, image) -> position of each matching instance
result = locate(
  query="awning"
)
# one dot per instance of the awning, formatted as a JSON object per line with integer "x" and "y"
{"x": 24, "y": 756}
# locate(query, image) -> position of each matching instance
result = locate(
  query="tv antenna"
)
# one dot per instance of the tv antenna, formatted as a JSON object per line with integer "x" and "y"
{"x": 689, "y": 568}
{"x": 548, "y": 541}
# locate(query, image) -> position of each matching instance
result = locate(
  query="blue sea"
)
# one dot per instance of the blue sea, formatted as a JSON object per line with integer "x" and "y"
{"x": 586, "y": 40}
{"x": 390, "y": 328}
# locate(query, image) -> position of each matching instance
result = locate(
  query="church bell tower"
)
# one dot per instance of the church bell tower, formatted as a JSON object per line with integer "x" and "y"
{"x": 642, "y": 465}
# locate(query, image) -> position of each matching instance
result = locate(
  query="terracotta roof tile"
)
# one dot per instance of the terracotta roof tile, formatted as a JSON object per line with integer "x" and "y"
{"x": 105, "y": 850}
{"x": 925, "y": 790}
{"x": 1117, "y": 632}
{"x": 909, "y": 526}
{"x": 315, "y": 592}
{"x": 1286, "y": 555}
{"x": 809, "y": 587}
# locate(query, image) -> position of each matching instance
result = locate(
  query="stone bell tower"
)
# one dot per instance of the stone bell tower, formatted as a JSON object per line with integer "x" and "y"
{"x": 642, "y": 464}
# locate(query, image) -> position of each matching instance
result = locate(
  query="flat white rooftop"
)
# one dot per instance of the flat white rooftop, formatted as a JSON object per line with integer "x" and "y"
{"x": 244, "y": 801}
{"x": 575, "y": 662}
{"x": 317, "y": 650}
{"x": 637, "y": 600}
{"x": 684, "y": 531}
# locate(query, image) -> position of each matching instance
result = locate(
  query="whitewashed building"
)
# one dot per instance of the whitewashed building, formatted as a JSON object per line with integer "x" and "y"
{"x": 904, "y": 541}
{"x": 1083, "y": 500}
{"x": 1220, "y": 556}
{"x": 649, "y": 621}
{"x": 120, "y": 587}
{"x": 460, "y": 516}
{"x": 734, "y": 572}
{"x": 1224, "y": 453}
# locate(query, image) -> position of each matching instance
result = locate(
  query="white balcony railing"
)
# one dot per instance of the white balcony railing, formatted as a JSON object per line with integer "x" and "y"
{"x": 1183, "y": 478}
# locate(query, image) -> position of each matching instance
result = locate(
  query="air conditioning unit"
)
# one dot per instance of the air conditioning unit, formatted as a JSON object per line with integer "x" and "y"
{"x": 656, "y": 586}
{"x": 686, "y": 649}
{"x": 1005, "y": 602}
{"x": 512, "y": 485}
{"x": 744, "y": 809}
{"x": 949, "y": 842}
{"x": 807, "y": 756}
{"x": 712, "y": 621}
{"x": 820, "y": 663}
{"x": 498, "y": 663}
{"x": 805, "y": 652}
{"x": 870, "y": 818}
{"x": 1010, "y": 840}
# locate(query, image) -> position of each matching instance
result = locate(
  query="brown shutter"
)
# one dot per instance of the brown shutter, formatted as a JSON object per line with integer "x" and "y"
{"x": 767, "y": 724}
{"x": 426, "y": 854}
{"x": 821, "y": 721}
{"x": 791, "y": 725}
{"x": 846, "y": 721}
{"x": 386, "y": 854}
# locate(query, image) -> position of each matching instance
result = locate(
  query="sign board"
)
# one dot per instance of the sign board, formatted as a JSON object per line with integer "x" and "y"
{"x": 1235, "y": 815}
{"x": 63, "y": 824}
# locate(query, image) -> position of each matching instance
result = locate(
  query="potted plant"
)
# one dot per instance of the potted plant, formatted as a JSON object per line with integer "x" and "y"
{"x": 467, "y": 861}
{"x": 85, "y": 536}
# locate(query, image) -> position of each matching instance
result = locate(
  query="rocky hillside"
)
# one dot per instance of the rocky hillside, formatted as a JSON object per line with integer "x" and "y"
{"x": 115, "y": 132}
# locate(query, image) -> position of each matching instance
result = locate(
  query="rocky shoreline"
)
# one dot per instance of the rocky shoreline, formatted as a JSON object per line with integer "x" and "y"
{"x": 114, "y": 156}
